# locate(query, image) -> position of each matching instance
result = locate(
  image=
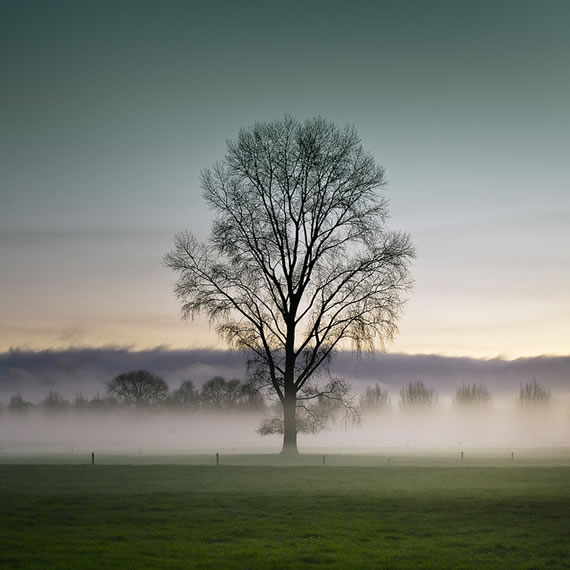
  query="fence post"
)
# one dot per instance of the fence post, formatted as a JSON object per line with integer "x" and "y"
{"x": 323, "y": 459}
{"x": 217, "y": 458}
{"x": 92, "y": 458}
{"x": 462, "y": 457}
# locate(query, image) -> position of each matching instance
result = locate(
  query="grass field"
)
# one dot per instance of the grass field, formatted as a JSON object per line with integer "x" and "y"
{"x": 410, "y": 513}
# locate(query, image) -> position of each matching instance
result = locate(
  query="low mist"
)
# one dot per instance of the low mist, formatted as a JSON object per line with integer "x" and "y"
{"x": 58, "y": 402}
{"x": 503, "y": 425}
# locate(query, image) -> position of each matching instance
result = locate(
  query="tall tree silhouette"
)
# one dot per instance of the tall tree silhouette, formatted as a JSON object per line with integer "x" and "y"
{"x": 299, "y": 262}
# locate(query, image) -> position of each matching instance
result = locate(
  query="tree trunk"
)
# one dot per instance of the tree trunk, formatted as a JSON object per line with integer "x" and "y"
{"x": 290, "y": 425}
{"x": 290, "y": 391}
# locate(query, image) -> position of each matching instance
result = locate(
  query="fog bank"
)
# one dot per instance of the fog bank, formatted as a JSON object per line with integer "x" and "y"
{"x": 189, "y": 433}
{"x": 86, "y": 370}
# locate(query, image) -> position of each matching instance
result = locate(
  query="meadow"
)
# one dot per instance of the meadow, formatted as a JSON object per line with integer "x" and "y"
{"x": 261, "y": 511}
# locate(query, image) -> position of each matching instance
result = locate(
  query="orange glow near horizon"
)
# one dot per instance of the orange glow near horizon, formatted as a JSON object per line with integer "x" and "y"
{"x": 169, "y": 331}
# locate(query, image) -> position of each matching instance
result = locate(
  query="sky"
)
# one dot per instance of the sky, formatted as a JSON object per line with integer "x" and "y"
{"x": 110, "y": 110}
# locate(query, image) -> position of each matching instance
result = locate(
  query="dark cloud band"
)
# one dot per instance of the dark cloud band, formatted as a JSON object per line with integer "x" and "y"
{"x": 86, "y": 370}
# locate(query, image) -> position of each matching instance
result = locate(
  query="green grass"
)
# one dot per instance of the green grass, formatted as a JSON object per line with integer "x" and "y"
{"x": 269, "y": 516}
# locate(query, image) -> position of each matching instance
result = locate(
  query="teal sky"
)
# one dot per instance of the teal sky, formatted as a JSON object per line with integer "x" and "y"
{"x": 110, "y": 110}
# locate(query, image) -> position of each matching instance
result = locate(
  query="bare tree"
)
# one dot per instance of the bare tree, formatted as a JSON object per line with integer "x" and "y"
{"x": 418, "y": 397}
{"x": 108, "y": 403}
{"x": 186, "y": 396}
{"x": 18, "y": 404}
{"x": 472, "y": 395}
{"x": 299, "y": 262}
{"x": 533, "y": 394}
{"x": 251, "y": 399}
{"x": 221, "y": 394}
{"x": 54, "y": 402}
{"x": 80, "y": 402}
{"x": 138, "y": 388}
{"x": 375, "y": 399}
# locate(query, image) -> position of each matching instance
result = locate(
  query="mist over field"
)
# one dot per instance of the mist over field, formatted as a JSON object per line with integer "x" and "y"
{"x": 504, "y": 425}
{"x": 85, "y": 372}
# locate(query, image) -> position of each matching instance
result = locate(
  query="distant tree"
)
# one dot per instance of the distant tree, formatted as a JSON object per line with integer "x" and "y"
{"x": 17, "y": 404}
{"x": 103, "y": 404}
{"x": 53, "y": 402}
{"x": 300, "y": 259}
{"x": 186, "y": 396}
{"x": 80, "y": 403}
{"x": 375, "y": 399}
{"x": 251, "y": 399}
{"x": 417, "y": 396}
{"x": 472, "y": 395}
{"x": 138, "y": 388}
{"x": 533, "y": 394}
{"x": 221, "y": 394}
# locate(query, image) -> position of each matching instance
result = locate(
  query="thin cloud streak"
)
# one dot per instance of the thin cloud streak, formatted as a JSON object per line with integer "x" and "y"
{"x": 29, "y": 237}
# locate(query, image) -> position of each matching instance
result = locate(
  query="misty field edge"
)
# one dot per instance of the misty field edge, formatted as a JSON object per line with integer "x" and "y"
{"x": 387, "y": 457}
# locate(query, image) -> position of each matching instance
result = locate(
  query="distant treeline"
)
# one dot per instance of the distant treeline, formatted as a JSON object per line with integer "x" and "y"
{"x": 140, "y": 389}
{"x": 418, "y": 396}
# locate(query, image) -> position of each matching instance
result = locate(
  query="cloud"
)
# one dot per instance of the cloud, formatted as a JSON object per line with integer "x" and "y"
{"x": 446, "y": 373}
{"x": 86, "y": 370}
